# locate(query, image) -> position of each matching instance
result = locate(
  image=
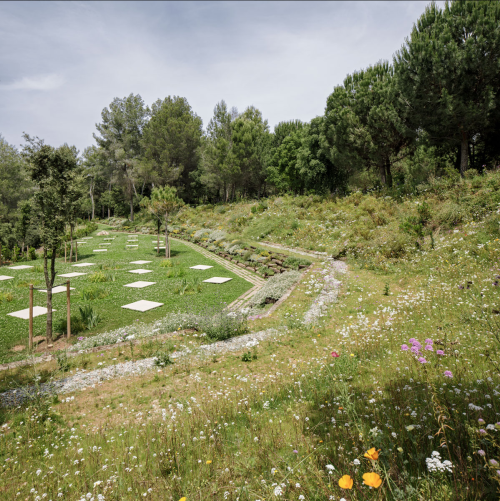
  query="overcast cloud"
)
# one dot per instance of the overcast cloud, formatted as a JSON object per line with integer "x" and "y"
{"x": 61, "y": 63}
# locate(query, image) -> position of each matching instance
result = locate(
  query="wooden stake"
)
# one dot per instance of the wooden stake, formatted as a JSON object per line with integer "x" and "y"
{"x": 76, "y": 251}
{"x": 65, "y": 251}
{"x": 68, "y": 309}
{"x": 30, "y": 340}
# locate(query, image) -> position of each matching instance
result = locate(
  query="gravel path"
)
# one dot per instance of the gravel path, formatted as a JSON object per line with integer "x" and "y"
{"x": 85, "y": 379}
{"x": 302, "y": 252}
{"x": 328, "y": 293}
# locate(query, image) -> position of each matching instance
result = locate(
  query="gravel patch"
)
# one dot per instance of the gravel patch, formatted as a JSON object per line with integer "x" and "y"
{"x": 84, "y": 379}
{"x": 329, "y": 292}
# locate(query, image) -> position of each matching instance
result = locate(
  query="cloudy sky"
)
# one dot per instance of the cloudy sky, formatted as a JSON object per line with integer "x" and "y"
{"x": 61, "y": 63}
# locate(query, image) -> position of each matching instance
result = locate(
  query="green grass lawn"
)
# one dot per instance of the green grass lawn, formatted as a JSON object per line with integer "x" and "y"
{"x": 113, "y": 264}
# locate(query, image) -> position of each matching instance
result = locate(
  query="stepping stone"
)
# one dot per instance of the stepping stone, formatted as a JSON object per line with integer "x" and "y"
{"x": 140, "y": 271}
{"x": 109, "y": 238}
{"x": 100, "y": 250}
{"x": 25, "y": 314}
{"x": 71, "y": 275}
{"x": 200, "y": 267}
{"x": 86, "y": 238}
{"x": 81, "y": 265}
{"x": 20, "y": 267}
{"x": 217, "y": 280}
{"x": 59, "y": 288}
{"x": 81, "y": 243}
{"x": 141, "y": 262}
{"x": 5, "y": 277}
{"x": 105, "y": 243}
{"x": 131, "y": 245}
{"x": 160, "y": 248}
{"x": 142, "y": 305}
{"x": 139, "y": 285}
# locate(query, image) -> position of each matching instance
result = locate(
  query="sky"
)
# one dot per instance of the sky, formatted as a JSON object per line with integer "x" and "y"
{"x": 61, "y": 63}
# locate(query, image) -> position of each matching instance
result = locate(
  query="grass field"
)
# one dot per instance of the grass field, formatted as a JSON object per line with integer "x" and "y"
{"x": 396, "y": 387}
{"x": 105, "y": 283}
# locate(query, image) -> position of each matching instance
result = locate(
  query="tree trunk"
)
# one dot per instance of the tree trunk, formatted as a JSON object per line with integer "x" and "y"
{"x": 158, "y": 223}
{"x": 388, "y": 173}
{"x": 464, "y": 153}
{"x": 49, "y": 282}
{"x": 132, "y": 208}
{"x": 92, "y": 200}
{"x": 382, "y": 174}
{"x": 1, "y": 255}
{"x": 167, "y": 243}
{"x": 71, "y": 240}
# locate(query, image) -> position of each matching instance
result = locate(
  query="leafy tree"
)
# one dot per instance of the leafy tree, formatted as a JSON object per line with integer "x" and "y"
{"x": 364, "y": 122}
{"x": 171, "y": 140}
{"x": 251, "y": 147}
{"x": 218, "y": 169}
{"x": 448, "y": 72}
{"x": 53, "y": 173}
{"x": 163, "y": 203}
{"x": 120, "y": 138}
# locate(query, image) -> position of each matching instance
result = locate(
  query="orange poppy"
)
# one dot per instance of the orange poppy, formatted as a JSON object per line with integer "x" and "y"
{"x": 372, "y": 479}
{"x": 372, "y": 454}
{"x": 346, "y": 482}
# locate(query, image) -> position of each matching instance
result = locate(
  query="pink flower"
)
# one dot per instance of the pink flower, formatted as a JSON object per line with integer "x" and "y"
{"x": 404, "y": 347}
{"x": 429, "y": 347}
{"x": 335, "y": 354}
{"x": 448, "y": 374}
{"x": 439, "y": 352}
{"x": 422, "y": 360}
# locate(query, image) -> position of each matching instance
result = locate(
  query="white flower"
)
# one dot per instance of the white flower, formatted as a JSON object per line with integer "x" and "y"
{"x": 330, "y": 468}
{"x": 38, "y": 472}
{"x": 278, "y": 491}
{"x": 356, "y": 462}
{"x": 301, "y": 497}
{"x": 256, "y": 439}
{"x": 297, "y": 485}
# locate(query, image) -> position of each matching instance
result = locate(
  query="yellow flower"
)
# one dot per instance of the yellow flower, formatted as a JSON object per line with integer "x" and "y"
{"x": 346, "y": 482}
{"x": 208, "y": 461}
{"x": 352, "y": 354}
{"x": 372, "y": 479}
{"x": 182, "y": 499}
{"x": 372, "y": 454}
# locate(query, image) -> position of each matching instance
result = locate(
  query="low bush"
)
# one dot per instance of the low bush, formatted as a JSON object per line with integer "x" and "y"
{"x": 295, "y": 262}
{"x": 275, "y": 287}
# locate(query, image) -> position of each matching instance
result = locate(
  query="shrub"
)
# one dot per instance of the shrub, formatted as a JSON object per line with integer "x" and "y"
{"x": 6, "y": 296}
{"x": 166, "y": 263}
{"x": 98, "y": 276}
{"x": 162, "y": 359}
{"x": 62, "y": 361}
{"x": 295, "y": 262}
{"x": 220, "y": 324}
{"x": 89, "y": 317}
{"x": 92, "y": 292}
{"x": 32, "y": 254}
{"x": 275, "y": 287}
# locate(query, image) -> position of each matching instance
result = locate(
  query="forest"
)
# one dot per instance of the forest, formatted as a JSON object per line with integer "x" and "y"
{"x": 433, "y": 111}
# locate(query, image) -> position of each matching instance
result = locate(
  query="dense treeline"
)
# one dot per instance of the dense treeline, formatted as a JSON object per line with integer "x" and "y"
{"x": 435, "y": 109}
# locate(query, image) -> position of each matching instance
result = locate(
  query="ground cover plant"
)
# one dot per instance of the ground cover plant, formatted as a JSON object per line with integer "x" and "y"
{"x": 101, "y": 289}
{"x": 392, "y": 395}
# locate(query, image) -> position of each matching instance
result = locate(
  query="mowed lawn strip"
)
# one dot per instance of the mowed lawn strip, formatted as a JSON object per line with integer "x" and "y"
{"x": 115, "y": 264}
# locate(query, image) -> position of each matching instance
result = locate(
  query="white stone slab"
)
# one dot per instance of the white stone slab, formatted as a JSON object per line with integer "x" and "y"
{"x": 142, "y": 305}
{"x": 132, "y": 240}
{"x": 25, "y": 314}
{"x": 139, "y": 285}
{"x": 59, "y": 288}
{"x": 5, "y": 277}
{"x": 82, "y": 265}
{"x": 112, "y": 238}
{"x": 71, "y": 275}
{"x": 81, "y": 243}
{"x": 20, "y": 267}
{"x": 105, "y": 243}
{"x": 141, "y": 262}
{"x": 160, "y": 248}
{"x": 140, "y": 271}
{"x": 87, "y": 238}
{"x": 100, "y": 250}
{"x": 131, "y": 245}
{"x": 217, "y": 280}
{"x": 200, "y": 267}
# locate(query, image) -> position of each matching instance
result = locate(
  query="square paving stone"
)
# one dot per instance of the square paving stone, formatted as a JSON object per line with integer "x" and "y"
{"x": 59, "y": 288}
{"x": 142, "y": 305}
{"x": 141, "y": 262}
{"x": 217, "y": 280}
{"x": 100, "y": 250}
{"x": 140, "y": 271}
{"x": 105, "y": 243}
{"x": 21, "y": 267}
{"x": 87, "y": 238}
{"x": 25, "y": 314}
{"x": 81, "y": 243}
{"x": 82, "y": 265}
{"x": 71, "y": 275}
{"x": 139, "y": 285}
{"x": 200, "y": 267}
{"x": 5, "y": 277}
